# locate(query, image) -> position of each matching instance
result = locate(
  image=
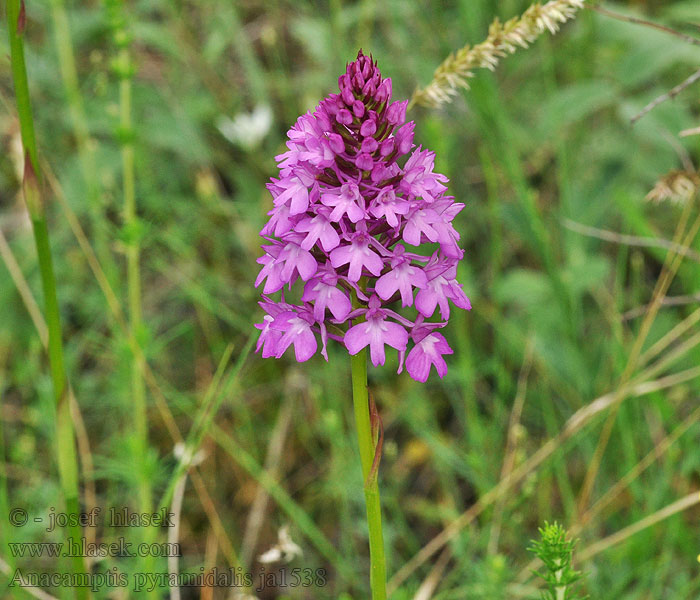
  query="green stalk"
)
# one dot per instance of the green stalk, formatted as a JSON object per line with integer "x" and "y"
{"x": 133, "y": 276}
{"x": 124, "y": 71}
{"x": 66, "y": 450}
{"x": 371, "y": 486}
{"x": 6, "y": 533}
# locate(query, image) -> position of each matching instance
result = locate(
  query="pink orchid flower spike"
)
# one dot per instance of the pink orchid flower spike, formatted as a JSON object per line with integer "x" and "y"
{"x": 351, "y": 218}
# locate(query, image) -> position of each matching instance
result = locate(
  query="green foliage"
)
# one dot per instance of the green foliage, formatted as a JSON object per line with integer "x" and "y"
{"x": 556, "y": 552}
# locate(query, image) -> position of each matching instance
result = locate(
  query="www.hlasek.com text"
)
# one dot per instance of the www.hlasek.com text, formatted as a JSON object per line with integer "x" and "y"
{"x": 81, "y": 547}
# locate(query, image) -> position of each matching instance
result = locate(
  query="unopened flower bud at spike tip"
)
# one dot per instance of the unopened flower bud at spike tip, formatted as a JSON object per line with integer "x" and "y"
{"x": 360, "y": 215}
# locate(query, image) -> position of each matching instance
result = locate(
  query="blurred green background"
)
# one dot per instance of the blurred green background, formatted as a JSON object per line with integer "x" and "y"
{"x": 536, "y": 150}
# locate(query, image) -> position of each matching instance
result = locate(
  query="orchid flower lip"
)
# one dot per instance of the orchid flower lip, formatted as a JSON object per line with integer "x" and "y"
{"x": 353, "y": 196}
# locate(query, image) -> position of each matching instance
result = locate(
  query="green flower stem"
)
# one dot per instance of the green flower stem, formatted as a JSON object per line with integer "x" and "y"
{"x": 133, "y": 277}
{"x": 371, "y": 485}
{"x": 65, "y": 440}
{"x": 133, "y": 269}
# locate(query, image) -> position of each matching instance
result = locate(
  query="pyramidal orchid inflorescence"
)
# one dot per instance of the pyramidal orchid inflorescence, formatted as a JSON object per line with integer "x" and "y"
{"x": 361, "y": 232}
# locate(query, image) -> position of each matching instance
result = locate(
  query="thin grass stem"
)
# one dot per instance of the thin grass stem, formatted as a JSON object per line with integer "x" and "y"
{"x": 133, "y": 269}
{"x": 154, "y": 386}
{"x": 6, "y": 533}
{"x": 64, "y": 436}
{"x": 295, "y": 512}
{"x": 670, "y": 267}
{"x": 572, "y": 426}
{"x": 652, "y": 519}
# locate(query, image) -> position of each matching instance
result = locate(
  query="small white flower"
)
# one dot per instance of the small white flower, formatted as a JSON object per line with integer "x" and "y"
{"x": 284, "y": 551}
{"x": 247, "y": 129}
{"x": 184, "y": 454}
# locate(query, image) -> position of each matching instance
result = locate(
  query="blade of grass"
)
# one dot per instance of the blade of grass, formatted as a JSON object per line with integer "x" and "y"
{"x": 272, "y": 462}
{"x": 615, "y": 491}
{"x": 124, "y": 70}
{"x": 641, "y": 466}
{"x": 629, "y": 240}
{"x": 6, "y": 532}
{"x": 295, "y": 512}
{"x": 203, "y": 422}
{"x": 637, "y": 21}
{"x": 652, "y": 519}
{"x": 31, "y": 590}
{"x": 667, "y": 302}
{"x": 669, "y": 269}
{"x": 81, "y": 132}
{"x": 81, "y": 434}
{"x": 511, "y": 441}
{"x": 161, "y": 402}
{"x": 670, "y": 337}
{"x": 25, "y": 292}
{"x": 32, "y": 186}
{"x": 205, "y": 414}
{"x": 575, "y": 423}
{"x": 496, "y": 130}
